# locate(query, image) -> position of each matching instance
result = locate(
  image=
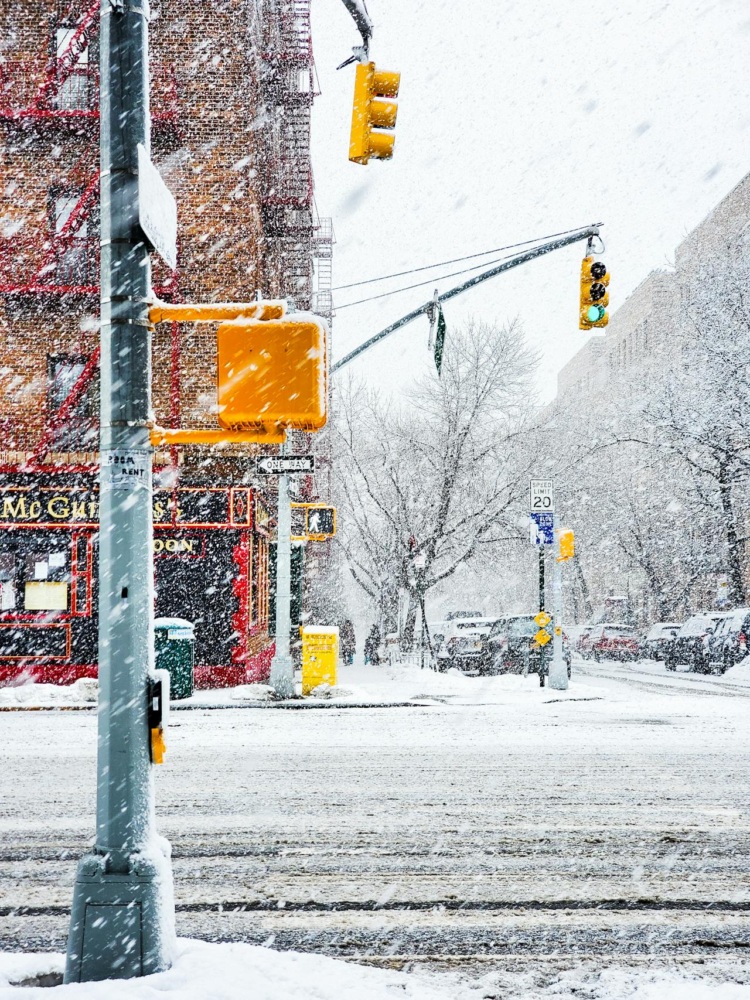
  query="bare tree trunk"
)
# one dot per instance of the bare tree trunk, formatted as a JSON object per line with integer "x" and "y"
{"x": 407, "y": 639}
{"x": 587, "y": 608}
{"x": 734, "y": 546}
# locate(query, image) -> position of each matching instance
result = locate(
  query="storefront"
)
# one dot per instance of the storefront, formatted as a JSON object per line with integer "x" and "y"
{"x": 210, "y": 567}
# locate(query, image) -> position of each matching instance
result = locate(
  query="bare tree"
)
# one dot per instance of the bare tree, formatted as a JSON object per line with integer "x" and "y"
{"x": 425, "y": 485}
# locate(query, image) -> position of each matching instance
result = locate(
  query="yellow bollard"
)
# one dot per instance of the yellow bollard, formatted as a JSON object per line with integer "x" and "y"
{"x": 320, "y": 651}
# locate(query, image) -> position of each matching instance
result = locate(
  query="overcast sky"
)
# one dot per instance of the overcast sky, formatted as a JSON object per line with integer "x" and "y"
{"x": 517, "y": 120}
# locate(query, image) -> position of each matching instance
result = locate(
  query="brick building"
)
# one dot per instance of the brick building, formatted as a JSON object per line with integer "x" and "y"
{"x": 231, "y": 92}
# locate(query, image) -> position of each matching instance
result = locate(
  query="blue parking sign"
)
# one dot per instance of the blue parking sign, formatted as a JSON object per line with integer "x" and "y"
{"x": 544, "y": 524}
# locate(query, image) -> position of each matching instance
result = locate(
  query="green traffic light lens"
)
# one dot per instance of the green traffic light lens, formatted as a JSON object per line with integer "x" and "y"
{"x": 595, "y": 313}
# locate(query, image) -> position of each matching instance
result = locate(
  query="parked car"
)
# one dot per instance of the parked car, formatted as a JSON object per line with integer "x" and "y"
{"x": 611, "y": 641}
{"x": 438, "y": 632}
{"x": 690, "y": 643}
{"x": 658, "y": 640}
{"x": 582, "y": 642}
{"x": 464, "y": 644}
{"x": 729, "y": 642}
{"x": 510, "y": 648}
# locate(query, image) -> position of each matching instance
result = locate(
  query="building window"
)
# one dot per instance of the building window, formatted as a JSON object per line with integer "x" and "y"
{"x": 79, "y": 430}
{"x": 46, "y": 580}
{"x": 76, "y": 83}
{"x": 73, "y": 264}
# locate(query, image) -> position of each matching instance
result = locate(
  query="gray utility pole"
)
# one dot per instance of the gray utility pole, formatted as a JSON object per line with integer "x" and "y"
{"x": 558, "y": 671}
{"x": 122, "y": 921}
{"x": 282, "y": 668}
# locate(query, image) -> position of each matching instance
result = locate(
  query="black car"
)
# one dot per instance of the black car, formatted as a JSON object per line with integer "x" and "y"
{"x": 729, "y": 643}
{"x": 464, "y": 644}
{"x": 510, "y": 646}
{"x": 658, "y": 640}
{"x": 690, "y": 644}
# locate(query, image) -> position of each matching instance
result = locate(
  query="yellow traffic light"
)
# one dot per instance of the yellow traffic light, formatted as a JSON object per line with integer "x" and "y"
{"x": 370, "y": 114}
{"x": 566, "y": 539}
{"x": 272, "y": 373}
{"x": 594, "y": 294}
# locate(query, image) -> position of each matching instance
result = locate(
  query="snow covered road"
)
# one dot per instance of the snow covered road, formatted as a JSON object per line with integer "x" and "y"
{"x": 501, "y": 819}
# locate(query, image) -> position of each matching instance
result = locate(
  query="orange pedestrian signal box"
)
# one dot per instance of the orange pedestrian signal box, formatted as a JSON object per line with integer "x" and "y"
{"x": 272, "y": 373}
{"x": 567, "y": 544}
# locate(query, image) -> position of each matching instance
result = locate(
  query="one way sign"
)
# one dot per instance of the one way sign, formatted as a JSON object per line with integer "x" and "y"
{"x": 277, "y": 465}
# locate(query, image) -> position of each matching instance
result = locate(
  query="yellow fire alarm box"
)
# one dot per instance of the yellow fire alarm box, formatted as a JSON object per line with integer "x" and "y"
{"x": 320, "y": 650}
{"x": 272, "y": 372}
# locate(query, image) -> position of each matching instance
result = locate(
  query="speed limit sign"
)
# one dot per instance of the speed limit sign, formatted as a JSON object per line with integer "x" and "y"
{"x": 541, "y": 495}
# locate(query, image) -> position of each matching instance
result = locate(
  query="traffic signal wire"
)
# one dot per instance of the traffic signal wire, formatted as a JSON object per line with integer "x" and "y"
{"x": 428, "y": 281}
{"x": 455, "y": 260}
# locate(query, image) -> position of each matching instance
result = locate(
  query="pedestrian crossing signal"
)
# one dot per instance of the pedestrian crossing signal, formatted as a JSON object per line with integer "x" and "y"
{"x": 321, "y": 523}
{"x": 594, "y": 294}
{"x": 272, "y": 373}
{"x": 566, "y": 540}
{"x": 313, "y": 522}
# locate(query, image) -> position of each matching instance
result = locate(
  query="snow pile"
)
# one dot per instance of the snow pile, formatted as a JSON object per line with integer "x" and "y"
{"x": 206, "y": 971}
{"x": 84, "y": 691}
{"x": 404, "y": 682}
{"x": 250, "y": 692}
{"x": 740, "y": 672}
{"x": 719, "y": 980}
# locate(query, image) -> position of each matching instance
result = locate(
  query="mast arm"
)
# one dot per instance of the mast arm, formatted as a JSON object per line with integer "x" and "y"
{"x": 522, "y": 258}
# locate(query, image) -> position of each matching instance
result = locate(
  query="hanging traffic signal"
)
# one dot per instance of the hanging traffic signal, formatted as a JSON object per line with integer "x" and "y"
{"x": 370, "y": 114}
{"x": 594, "y": 294}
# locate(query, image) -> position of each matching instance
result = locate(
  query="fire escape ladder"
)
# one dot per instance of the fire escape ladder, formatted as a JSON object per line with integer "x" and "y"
{"x": 58, "y": 418}
{"x": 323, "y": 249}
{"x": 62, "y": 240}
{"x": 287, "y": 188}
{"x": 61, "y": 66}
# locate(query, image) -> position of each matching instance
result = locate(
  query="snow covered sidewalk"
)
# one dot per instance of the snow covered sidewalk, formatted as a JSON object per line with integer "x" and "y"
{"x": 204, "y": 971}
{"x": 357, "y": 685}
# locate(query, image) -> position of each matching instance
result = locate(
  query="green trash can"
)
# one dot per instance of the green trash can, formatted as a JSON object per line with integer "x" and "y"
{"x": 174, "y": 649}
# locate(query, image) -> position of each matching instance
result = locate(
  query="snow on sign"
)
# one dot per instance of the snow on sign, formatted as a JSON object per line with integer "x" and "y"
{"x": 541, "y": 496}
{"x": 157, "y": 210}
{"x": 276, "y": 465}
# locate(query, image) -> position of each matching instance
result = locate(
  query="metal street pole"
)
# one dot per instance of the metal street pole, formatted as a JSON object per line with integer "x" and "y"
{"x": 282, "y": 668}
{"x": 541, "y": 576}
{"x": 122, "y": 920}
{"x": 558, "y": 673}
{"x": 542, "y": 650}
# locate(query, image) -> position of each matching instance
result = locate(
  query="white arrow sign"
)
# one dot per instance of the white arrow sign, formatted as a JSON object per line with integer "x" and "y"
{"x": 275, "y": 465}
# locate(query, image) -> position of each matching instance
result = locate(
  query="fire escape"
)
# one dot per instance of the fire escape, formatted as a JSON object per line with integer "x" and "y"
{"x": 323, "y": 240}
{"x": 56, "y": 268}
{"x": 287, "y": 91}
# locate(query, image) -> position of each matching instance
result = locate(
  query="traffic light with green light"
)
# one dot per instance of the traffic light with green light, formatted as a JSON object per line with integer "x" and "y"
{"x": 371, "y": 115}
{"x": 594, "y": 294}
